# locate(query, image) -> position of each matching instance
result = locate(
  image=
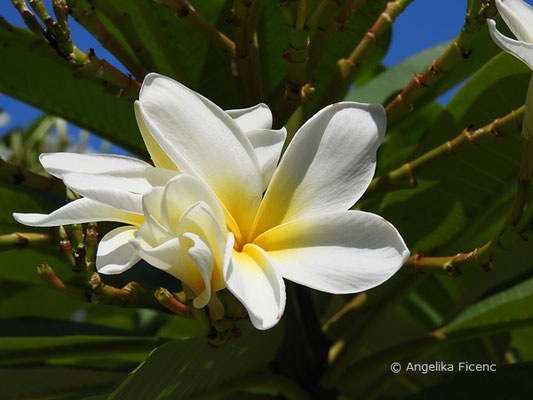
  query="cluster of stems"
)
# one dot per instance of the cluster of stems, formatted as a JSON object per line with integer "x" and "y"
{"x": 79, "y": 244}
{"x": 57, "y": 34}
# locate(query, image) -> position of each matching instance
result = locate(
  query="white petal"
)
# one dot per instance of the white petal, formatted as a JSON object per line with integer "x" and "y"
{"x": 173, "y": 257}
{"x": 204, "y": 141}
{"x": 115, "y": 254}
{"x": 202, "y": 257}
{"x": 181, "y": 193}
{"x": 77, "y": 212}
{"x": 121, "y": 189}
{"x": 340, "y": 252}
{"x": 199, "y": 219}
{"x": 58, "y": 164}
{"x": 252, "y": 279}
{"x": 151, "y": 205}
{"x": 256, "y": 117}
{"x": 159, "y": 157}
{"x": 521, "y": 50}
{"x": 267, "y": 144}
{"x": 518, "y": 15}
{"x": 327, "y": 166}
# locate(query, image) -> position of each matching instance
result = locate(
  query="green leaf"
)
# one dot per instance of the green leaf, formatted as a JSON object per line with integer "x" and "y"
{"x": 47, "y": 82}
{"x": 511, "y": 306}
{"x": 180, "y": 369}
{"x": 40, "y": 382}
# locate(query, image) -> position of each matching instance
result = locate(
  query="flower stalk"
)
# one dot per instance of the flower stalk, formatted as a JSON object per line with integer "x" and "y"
{"x": 171, "y": 303}
{"x": 47, "y": 274}
{"x": 459, "y": 49}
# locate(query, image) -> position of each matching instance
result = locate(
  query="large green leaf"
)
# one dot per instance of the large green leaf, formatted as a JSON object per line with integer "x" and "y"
{"x": 180, "y": 369}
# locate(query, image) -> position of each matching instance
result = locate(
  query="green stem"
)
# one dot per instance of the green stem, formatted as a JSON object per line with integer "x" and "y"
{"x": 405, "y": 176}
{"x": 27, "y": 16}
{"x": 131, "y": 295}
{"x": 47, "y": 274}
{"x": 90, "y": 20}
{"x": 184, "y": 10}
{"x": 169, "y": 301}
{"x": 454, "y": 265}
{"x": 21, "y": 240}
{"x": 458, "y": 50}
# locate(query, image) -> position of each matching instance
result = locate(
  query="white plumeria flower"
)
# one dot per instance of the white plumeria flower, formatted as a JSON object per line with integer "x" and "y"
{"x": 178, "y": 232}
{"x": 200, "y": 214}
{"x": 518, "y": 15}
{"x": 301, "y": 229}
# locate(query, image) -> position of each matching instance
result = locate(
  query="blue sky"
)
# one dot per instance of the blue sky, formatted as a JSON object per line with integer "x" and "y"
{"x": 422, "y": 25}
